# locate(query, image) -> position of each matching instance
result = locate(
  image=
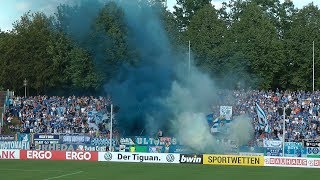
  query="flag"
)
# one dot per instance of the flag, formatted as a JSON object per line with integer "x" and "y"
{"x": 267, "y": 129}
{"x": 262, "y": 119}
{"x": 210, "y": 119}
{"x": 215, "y": 126}
{"x": 226, "y": 112}
{"x": 220, "y": 125}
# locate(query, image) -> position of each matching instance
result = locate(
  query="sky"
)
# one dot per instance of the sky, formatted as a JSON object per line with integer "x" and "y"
{"x": 11, "y": 10}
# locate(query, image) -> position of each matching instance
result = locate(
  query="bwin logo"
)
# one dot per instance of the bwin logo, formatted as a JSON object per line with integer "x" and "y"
{"x": 190, "y": 159}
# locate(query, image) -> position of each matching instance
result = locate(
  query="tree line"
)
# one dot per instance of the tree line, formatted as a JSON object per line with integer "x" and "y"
{"x": 263, "y": 44}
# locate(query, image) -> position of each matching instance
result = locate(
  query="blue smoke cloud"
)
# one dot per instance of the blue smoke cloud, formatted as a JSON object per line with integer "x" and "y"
{"x": 144, "y": 85}
{"x": 159, "y": 91}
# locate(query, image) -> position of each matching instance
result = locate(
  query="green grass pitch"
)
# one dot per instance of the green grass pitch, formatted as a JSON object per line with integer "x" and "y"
{"x": 67, "y": 170}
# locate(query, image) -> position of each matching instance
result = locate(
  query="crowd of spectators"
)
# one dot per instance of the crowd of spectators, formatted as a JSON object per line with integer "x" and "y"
{"x": 43, "y": 114}
{"x": 301, "y": 110}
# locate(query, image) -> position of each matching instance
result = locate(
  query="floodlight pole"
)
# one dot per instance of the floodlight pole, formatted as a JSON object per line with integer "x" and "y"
{"x": 189, "y": 57}
{"x": 313, "y": 67}
{"x": 283, "y": 129}
{"x": 111, "y": 117}
{"x": 25, "y": 83}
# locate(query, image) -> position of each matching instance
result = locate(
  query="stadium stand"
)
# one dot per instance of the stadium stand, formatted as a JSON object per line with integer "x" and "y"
{"x": 43, "y": 114}
{"x": 302, "y": 107}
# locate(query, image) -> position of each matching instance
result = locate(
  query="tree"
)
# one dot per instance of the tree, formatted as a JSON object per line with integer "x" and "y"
{"x": 186, "y": 9}
{"x": 304, "y": 30}
{"x": 80, "y": 71}
{"x": 171, "y": 27}
{"x": 109, "y": 41}
{"x": 207, "y": 34}
{"x": 256, "y": 37}
{"x": 35, "y": 51}
{"x": 30, "y": 38}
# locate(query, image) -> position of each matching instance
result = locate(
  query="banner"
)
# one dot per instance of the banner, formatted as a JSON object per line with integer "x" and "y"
{"x": 127, "y": 141}
{"x": 9, "y": 154}
{"x": 69, "y": 147}
{"x": 311, "y": 143}
{"x": 251, "y": 149}
{"x": 161, "y": 141}
{"x": 294, "y": 149}
{"x": 23, "y": 137}
{"x": 226, "y": 112}
{"x": 272, "y": 143}
{"x": 313, "y": 151}
{"x": 46, "y": 139}
{"x": 122, "y": 148}
{"x": 91, "y": 148}
{"x": 233, "y": 160}
{"x": 313, "y": 156}
{"x": 101, "y": 142}
{"x": 15, "y": 145}
{"x": 139, "y": 157}
{"x": 156, "y": 149}
{"x": 191, "y": 159}
{"x": 59, "y": 155}
{"x": 250, "y": 154}
{"x": 7, "y": 137}
{"x": 75, "y": 139}
{"x": 180, "y": 149}
{"x": 57, "y": 147}
{"x": 292, "y": 162}
{"x": 273, "y": 151}
{"x": 144, "y": 149}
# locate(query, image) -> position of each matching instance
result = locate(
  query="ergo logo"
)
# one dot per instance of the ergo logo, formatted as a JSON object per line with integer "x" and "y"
{"x": 78, "y": 155}
{"x": 39, "y": 155}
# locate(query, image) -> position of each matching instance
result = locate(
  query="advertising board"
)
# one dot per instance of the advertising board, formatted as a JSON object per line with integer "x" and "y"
{"x": 127, "y": 141}
{"x": 69, "y": 147}
{"x": 313, "y": 156}
{"x": 313, "y": 151}
{"x": 294, "y": 149}
{"x": 149, "y": 141}
{"x": 291, "y": 162}
{"x": 15, "y": 145}
{"x": 272, "y": 143}
{"x": 9, "y": 154}
{"x": 180, "y": 149}
{"x": 233, "y": 160}
{"x": 155, "y": 149}
{"x": 122, "y": 148}
{"x": 250, "y": 154}
{"x": 58, "y": 155}
{"x": 7, "y": 137}
{"x": 46, "y": 139}
{"x": 75, "y": 139}
{"x": 101, "y": 142}
{"x": 142, "y": 149}
{"x": 139, "y": 157}
{"x": 23, "y": 137}
{"x": 273, "y": 151}
{"x": 191, "y": 159}
{"x": 251, "y": 149}
{"x": 311, "y": 143}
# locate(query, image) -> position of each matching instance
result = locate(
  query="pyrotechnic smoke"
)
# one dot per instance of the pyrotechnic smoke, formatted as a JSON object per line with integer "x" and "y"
{"x": 242, "y": 129}
{"x": 160, "y": 92}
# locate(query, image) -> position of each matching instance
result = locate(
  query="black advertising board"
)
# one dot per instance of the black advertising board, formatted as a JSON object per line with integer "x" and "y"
{"x": 311, "y": 143}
